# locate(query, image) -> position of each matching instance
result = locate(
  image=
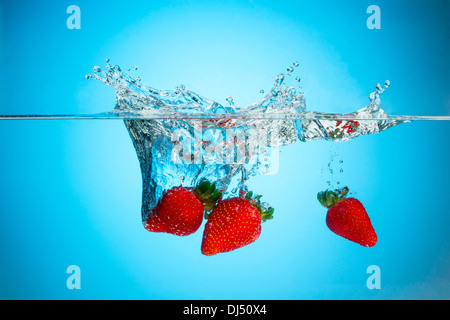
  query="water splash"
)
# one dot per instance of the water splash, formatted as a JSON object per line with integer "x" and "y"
{"x": 226, "y": 144}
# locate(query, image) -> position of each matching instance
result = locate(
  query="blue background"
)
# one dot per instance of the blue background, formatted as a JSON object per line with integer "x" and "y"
{"x": 70, "y": 191}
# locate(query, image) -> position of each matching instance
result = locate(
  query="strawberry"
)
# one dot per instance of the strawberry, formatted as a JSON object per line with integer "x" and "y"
{"x": 349, "y": 126}
{"x": 180, "y": 210}
{"x": 347, "y": 217}
{"x": 234, "y": 223}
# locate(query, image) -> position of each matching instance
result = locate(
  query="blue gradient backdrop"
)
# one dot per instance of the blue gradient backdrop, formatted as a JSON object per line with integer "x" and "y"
{"x": 70, "y": 191}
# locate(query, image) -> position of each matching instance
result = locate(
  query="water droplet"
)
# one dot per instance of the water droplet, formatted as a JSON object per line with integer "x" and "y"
{"x": 289, "y": 70}
{"x": 298, "y": 79}
{"x": 230, "y": 100}
{"x": 278, "y": 82}
{"x": 261, "y": 91}
{"x": 378, "y": 87}
{"x": 107, "y": 60}
{"x": 341, "y": 170}
{"x": 296, "y": 64}
{"x": 97, "y": 69}
{"x": 372, "y": 96}
{"x": 138, "y": 79}
{"x": 341, "y": 161}
{"x": 387, "y": 84}
{"x": 135, "y": 68}
{"x": 279, "y": 79}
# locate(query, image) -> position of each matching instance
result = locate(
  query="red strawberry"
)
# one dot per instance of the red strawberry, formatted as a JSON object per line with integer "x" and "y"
{"x": 180, "y": 210}
{"x": 347, "y": 217}
{"x": 234, "y": 223}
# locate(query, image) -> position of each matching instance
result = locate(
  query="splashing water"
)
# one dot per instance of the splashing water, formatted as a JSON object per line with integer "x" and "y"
{"x": 186, "y": 137}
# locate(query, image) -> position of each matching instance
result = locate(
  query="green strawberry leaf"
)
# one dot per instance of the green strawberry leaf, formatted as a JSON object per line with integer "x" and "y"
{"x": 329, "y": 198}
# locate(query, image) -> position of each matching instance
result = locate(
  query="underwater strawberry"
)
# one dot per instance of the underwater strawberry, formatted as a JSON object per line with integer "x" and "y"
{"x": 180, "y": 210}
{"x": 234, "y": 223}
{"x": 340, "y": 130}
{"x": 347, "y": 217}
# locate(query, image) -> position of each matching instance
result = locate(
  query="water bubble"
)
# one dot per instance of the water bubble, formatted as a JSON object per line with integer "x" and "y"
{"x": 261, "y": 91}
{"x": 387, "y": 84}
{"x": 97, "y": 69}
{"x": 296, "y": 64}
{"x": 298, "y": 79}
{"x": 289, "y": 70}
{"x": 107, "y": 60}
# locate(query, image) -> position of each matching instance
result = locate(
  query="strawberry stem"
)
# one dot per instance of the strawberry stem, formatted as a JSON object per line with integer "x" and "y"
{"x": 265, "y": 211}
{"x": 329, "y": 198}
{"x": 208, "y": 194}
